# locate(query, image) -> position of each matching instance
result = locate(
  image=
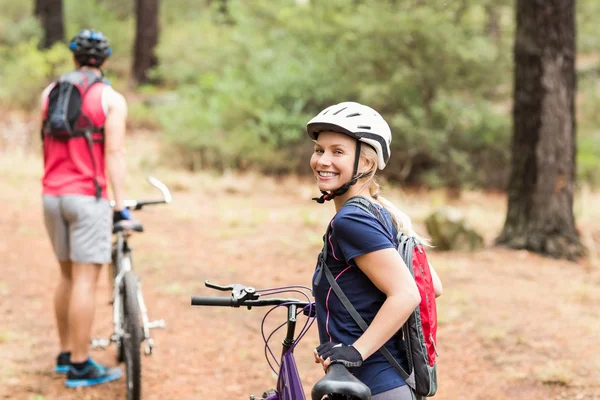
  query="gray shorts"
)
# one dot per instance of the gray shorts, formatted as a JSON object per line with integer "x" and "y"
{"x": 79, "y": 228}
{"x": 399, "y": 393}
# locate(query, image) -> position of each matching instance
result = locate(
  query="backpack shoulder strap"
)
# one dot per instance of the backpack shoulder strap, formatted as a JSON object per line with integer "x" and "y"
{"x": 366, "y": 205}
{"x": 409, "y": 379}
{"x": 360, "y": 202}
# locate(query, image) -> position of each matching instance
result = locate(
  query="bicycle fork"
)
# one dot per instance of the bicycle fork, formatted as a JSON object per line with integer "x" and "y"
{"x": 146, "y": 324}
{"x": 118, "y": 331}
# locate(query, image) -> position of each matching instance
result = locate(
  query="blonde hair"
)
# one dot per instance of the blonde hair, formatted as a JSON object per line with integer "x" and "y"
{"x": 401, "y": 220}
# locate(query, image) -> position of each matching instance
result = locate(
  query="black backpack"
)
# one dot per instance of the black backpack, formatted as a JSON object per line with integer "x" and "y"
{"x": 64, "y": 117}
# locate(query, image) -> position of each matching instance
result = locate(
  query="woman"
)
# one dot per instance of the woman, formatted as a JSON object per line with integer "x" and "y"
{"x": 351, "y": 142}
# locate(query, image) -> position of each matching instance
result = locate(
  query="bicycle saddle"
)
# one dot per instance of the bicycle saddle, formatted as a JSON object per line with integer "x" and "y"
{"x": 132, "y": 225}
{"x": 339, "y": 381}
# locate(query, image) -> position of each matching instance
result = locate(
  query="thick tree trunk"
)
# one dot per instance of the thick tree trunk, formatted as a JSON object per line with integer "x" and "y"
{"x": 50, "y": 14}
{"x": 541, "y": 188}
{"x": 146, "y": 39}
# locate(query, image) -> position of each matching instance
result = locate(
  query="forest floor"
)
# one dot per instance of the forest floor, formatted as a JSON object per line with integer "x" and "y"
{"x": 512, "y": 325}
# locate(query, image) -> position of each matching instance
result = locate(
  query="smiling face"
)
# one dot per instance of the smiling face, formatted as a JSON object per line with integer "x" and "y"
{"x": 332, "y": 160}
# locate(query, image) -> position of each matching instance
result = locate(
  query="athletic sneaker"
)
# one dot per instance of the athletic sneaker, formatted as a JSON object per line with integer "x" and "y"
{"x": 91, "y": 374}
{"x": 62, "y": 362}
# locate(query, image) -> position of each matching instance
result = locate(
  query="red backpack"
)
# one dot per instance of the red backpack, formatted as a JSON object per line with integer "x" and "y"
{"x": 419, "y": 331}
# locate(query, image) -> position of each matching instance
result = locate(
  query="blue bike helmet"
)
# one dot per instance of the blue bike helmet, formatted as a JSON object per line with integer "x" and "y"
{"x": 90, "y": 48}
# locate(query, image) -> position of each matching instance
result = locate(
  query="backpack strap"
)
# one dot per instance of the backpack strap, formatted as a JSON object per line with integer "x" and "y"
{"x": 91, "y": 79}
{"x": 409, "y": 379}
{"x": 366, "y": 205}
{"x": 359, "y": 201}
{"x": 369, "y": 207}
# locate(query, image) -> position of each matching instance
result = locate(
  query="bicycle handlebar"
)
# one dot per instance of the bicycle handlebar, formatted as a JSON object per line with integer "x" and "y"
{"x": 139, "y": 204}
{"x": 243, "y": 296}
{"x": 232, "y": 302}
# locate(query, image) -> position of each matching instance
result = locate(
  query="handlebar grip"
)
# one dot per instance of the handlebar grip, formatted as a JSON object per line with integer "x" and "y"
{"x": 212, "y": 301}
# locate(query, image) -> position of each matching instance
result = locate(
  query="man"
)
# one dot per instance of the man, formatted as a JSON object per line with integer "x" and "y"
{"x": 83, "y": 135}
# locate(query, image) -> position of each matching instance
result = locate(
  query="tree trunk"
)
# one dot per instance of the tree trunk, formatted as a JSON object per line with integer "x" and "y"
{"x": 541, "y": 187}
{"x": 492, "y": 25}
{"x": 146, "y": 39}
{"x": 50, "y": 14}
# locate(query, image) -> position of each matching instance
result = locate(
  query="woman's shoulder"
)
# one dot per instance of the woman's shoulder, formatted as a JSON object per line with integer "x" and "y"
{"x": 351, "y": 216}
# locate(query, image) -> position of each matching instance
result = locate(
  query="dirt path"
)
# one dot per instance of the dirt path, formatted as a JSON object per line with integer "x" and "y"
{"x": 512, "y": 325}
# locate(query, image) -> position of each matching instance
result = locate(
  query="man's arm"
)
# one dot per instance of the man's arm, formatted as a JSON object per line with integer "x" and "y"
{"x": 114, "y": 142}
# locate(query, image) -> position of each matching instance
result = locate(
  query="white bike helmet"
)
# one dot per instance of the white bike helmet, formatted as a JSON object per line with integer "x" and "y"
{"x": 360, "y": 122}
{"x": 356, "y": 120}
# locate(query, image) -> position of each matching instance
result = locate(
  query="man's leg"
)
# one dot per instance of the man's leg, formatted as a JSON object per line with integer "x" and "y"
{"x": 62, "y": 298}
{"x": 58, "y": 232}
{"x": 90, "y": 233}
{"x": 81, "y": 309}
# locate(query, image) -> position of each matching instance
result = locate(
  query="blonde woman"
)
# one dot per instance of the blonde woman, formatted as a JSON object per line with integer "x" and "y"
{"x": 351, "y": 142}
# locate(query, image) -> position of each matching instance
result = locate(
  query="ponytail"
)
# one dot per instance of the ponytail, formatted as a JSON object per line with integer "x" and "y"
{"x": 401, "y": 221}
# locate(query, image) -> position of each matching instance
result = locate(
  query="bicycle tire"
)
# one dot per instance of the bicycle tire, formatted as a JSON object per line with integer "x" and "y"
{"x": 132, "y": 337}
{"x": 113, "y": 271}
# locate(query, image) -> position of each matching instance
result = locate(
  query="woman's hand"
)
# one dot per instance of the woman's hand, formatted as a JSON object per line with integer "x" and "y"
{"x": 330, "y": 352}
{"x": 318, "y": 360}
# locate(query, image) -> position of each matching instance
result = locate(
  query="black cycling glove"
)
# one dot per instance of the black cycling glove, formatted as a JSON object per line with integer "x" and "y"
{"x": 340, "y": 354}
{"x": 121, "y": 215}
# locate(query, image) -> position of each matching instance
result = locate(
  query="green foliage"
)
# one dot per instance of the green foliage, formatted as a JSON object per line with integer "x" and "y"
{"x": 117, "y": 25}
{"x": 26, "y": 71}
{"x": 247, "y": 90}
{"x": 236, "y": 91}
{"x": 588, "y": 38}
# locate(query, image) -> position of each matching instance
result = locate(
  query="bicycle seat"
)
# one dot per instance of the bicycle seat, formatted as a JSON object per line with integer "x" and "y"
{"x": 339, "y": 381}
{"x": 131, "y": 225}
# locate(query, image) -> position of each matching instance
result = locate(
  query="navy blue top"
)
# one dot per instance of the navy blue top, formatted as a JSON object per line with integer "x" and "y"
{"x": 356, "y": 232}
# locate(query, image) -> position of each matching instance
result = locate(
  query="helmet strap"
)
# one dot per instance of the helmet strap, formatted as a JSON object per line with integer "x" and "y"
{"x": 326, "y": 196}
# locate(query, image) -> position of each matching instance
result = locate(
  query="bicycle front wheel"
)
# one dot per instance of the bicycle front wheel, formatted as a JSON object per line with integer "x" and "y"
{"x": 132, "y": 336}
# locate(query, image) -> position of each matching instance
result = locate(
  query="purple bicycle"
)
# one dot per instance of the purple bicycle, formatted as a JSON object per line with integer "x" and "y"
{"x": 337, "y": 384}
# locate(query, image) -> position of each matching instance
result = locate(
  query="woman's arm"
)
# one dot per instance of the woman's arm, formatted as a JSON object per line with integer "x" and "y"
{"x": 386, "y": 269}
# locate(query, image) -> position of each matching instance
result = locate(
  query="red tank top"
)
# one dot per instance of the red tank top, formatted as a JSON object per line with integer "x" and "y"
{"x": 68, "y": 165}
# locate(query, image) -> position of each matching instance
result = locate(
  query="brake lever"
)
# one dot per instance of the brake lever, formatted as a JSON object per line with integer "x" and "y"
{"x": 238, "y": 292}
{"x": 219, "y": 287}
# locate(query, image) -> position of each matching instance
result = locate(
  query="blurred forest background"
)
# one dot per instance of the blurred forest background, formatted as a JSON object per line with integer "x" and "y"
{"x": 223, "y": 86}
{"x": 234, "y": 82}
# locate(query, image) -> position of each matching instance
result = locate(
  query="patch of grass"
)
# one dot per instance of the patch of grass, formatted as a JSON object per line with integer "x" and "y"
{"x": 25, "y": 230}
{"x": 175, "y": 289}
{"x": 493, "y": 333}
{"x": 234, "y": 231}
{"x": 5, "y": 336}
{"x": 449, "y": 314}
{"x": 311, "y": 219}
{"x": 553, "y": 373}
{"x": 148, "y": 260}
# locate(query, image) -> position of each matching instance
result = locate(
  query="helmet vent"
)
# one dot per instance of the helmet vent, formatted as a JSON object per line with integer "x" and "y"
{"x": 364, "y": 127}
{"x": 339, "y": 111}
{"x": 352, "y": 115}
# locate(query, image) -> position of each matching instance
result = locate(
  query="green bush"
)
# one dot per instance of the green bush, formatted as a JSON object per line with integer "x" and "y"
{"x": 26, "y": 71}
{"x": 247, "y": 90}
{"x": 237, "y": 91}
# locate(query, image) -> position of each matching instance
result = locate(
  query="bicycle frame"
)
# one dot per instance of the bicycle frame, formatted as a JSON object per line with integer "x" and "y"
{"x": 122, "y": 262}
{"x": 289, "y": 384}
